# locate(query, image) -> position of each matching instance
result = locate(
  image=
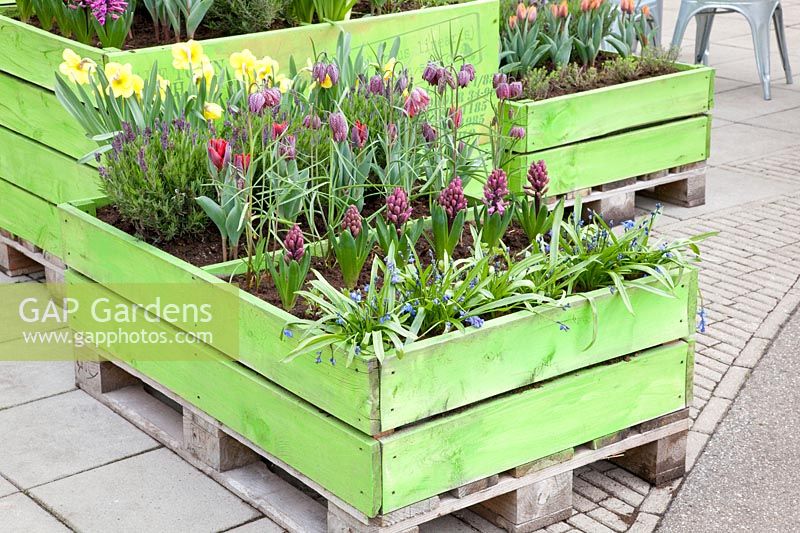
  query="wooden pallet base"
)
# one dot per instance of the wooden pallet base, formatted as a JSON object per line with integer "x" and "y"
{"x": 20, "y": 257}
{"x": 616, "y": 202}
{"x": 525, "y": 498}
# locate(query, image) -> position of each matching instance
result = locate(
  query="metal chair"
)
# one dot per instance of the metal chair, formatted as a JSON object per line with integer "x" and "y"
{"x": 758, "y": 14}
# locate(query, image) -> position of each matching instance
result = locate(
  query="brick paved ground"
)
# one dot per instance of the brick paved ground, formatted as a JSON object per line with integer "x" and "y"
{"x": 749, "y": 283}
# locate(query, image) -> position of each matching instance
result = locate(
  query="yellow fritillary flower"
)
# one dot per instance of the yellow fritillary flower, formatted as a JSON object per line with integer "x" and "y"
{"x": 388, "y": 68}
{"x": 212, "y": 111}
{"x": 244, "y": 64}
{"x": 204, "y": 70}
{"x": 162, "y": 86}
{"x": 76, "y": 68}
{"x": 120, "y": 79}
{"x": 327, "y": 83}
{"x": 187, "y": 56}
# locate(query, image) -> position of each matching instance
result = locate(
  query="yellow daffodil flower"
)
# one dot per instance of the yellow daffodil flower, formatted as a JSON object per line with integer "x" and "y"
{"x": 212, "y": 111}
{"x": 76, "y": 68}
{"x": 204, "y": 70}
{"x": 138, "y": 85}
{"x": 283, "y": 83}
{"x": 187, "y": 56}
{"x": 265, "y": 68}
{"x": 120, "y": 79}
{"x": 388, "y": 68}
{"x": 244, "y": 64}
{"x": 162, "y": 86}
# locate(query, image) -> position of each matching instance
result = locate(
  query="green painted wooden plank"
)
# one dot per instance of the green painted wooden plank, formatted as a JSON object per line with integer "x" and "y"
{"x": 45, "y": 172}
{"x": 586, "y": 115}
{"x": 34, "y": 54}
{"x": 625, "y": 155}
{"x": 507, "y": 353}
{"x": 36, "y": 113}
{"x": 140, "y": 272}
{"x": 433, "y": 457}
{"x": 30, "y": 217}
{"x": 343, "y": 460}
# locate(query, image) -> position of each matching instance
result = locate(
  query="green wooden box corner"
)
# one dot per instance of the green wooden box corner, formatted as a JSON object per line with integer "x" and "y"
{"x": 612, "y": 133}
{"x": 384, "y": 473}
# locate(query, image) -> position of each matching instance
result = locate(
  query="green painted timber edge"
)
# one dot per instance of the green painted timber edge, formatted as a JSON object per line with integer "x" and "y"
{"x": 30, "y": 217}
{"x": 586, "y": 115}
{"x": 34, "y": 55}
{"x": 45, "y": 172}
{"x": 136, "y": 270}
{"x": 37, "y": 114}
{"x": 616, "y": 157}
{"x": 343, "y": 460}
{"x": 494, "y": 436}
{"x": 510, "y": 352}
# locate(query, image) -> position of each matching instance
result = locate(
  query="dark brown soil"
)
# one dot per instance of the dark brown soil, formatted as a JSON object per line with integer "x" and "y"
{"x": 200, "y": 250}
{"x": 605, "y": 78}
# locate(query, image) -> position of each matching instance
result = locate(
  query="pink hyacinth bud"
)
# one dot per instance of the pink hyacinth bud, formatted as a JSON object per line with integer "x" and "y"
{"x": 495, "y": 191}
{"x": 359, "y": 134}
{"x": 537, "y": 179}
{"x": 452, "y": 198}
{"x": 398, "y": 210}
{"x": 294, "y": 244}
{"x": 517, "y": 132}
{"x": 338, "y": 124}
{"x": 352, "y": 221}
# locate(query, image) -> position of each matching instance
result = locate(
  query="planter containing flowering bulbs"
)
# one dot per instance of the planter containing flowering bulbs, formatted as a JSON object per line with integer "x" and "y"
{"x": 47, "y": 142}
{"x": 371, "y": 318}
{"x": 592, "y": 109}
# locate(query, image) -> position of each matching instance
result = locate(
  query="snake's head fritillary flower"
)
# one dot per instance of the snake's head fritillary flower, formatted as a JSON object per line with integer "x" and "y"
{"x": 338, "y": 125}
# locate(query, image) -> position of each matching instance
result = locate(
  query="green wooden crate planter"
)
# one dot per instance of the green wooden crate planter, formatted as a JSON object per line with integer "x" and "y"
{"x": 479, "y": 384}
{"x": 29, "y": 59}
{"x": 606, "y": 135}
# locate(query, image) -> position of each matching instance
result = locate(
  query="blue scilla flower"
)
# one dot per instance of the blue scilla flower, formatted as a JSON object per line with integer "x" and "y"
{"x": 332, "y": 360}
{"x": 475, "y": 321}
{"x": 396, "y": 279}
{"x": 436, "y": 301}
{"x": 318, "y": 360}
{"x": 356, "y": 296}
{"x": 701, "y": 326}
{"x": 563, "y": 327}
{"x": 612, "y": 289}
{"x": 628, "y": 225}
{"x": 384, "y": 318}
{"x": 339, "y": 319}
{"x": 288, "y": 333}
{"x": 669, "y": 255}
{"x": 473, "y": 282}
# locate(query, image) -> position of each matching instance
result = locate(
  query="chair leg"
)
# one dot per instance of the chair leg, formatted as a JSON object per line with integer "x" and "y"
{"x": 684, "y": 16}
{"x": 658, "y": 17}
{"x": 704, "y": 22}
{"x": 777, "y": 18}
{"x": 761, "y": 45}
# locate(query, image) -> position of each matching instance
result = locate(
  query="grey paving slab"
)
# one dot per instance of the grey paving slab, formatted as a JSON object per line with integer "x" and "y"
{"x": 743, "y": 141}
{"x": 264, "y": 525}
{"x": 746, "y": 480}
{"x": 722, "y": 84}
{"x": 154, "y": 491}
{"x": 19, "y": 513}
{"x": 787, "y": 120}
{"x": 747, "y": 103}
{"x": 62, "y": 435}
{"x": 25, "y": 381}
{"x": 724, "y": 190}
{"x": 6, "y": 488}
